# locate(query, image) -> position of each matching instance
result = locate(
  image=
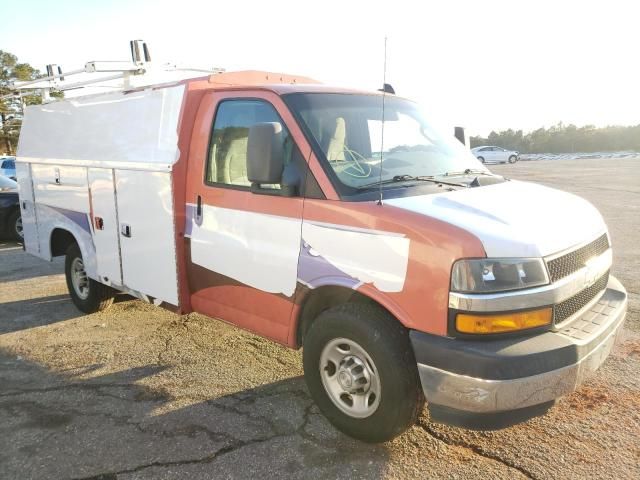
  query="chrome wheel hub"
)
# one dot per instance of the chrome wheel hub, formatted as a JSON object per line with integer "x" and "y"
{"x": 79, "y": 278}
{"x": 353, "y": 375}
{"x": 350, "y": 378}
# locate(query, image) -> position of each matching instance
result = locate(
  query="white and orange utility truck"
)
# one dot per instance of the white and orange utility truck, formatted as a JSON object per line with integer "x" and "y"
{"x": 406, "y": 270}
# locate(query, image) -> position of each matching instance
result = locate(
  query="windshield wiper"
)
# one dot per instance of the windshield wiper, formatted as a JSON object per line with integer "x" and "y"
{"x": 411, "y": 178}
{"x": 468, "y": 171}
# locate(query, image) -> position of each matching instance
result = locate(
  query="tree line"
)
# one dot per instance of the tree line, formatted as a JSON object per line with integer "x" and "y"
{"x": 11, "y": 108}
{"x": 562, "y": 138}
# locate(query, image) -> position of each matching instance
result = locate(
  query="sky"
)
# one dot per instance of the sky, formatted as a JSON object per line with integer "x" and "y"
{"x": 486, "y": 65}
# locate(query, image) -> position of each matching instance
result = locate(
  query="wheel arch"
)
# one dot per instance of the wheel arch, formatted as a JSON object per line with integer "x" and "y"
{"x": 60, "y": 240}
{"x": 317, "y": 300}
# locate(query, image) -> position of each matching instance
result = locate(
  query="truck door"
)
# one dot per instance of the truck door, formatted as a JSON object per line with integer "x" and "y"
{"x": 242, "y": 248}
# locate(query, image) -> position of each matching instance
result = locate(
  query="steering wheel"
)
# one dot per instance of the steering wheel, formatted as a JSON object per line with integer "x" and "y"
{"x": 354, "y": 167}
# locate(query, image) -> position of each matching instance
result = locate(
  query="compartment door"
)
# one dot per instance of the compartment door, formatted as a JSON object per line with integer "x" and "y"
{"x": 147, "y": 237}
{"x": 27, "y": 208}
{"x": 105, "y": 225}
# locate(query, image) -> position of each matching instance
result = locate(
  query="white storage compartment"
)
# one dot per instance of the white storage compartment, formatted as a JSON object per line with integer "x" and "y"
{"x": 62, "y": 187}
{"x": 147, "y": 240}
{"x": 105, "y": 225}
{"x": 101, "y": 169}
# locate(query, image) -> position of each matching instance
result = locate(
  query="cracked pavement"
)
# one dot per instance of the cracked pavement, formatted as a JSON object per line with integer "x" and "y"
{"x": 137, "y": 392}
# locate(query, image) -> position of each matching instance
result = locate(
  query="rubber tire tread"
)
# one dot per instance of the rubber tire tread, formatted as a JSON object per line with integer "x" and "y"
{"x": 100, "y": 295}
{"x": 387, "y": 342}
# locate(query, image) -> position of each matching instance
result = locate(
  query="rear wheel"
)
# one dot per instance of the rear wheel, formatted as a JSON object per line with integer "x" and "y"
{"x": 481, "y": 159}
{"x": 361, "y": 372}
{"x": 513, "y": 159}
{"x": 14, "y": 226}
{"x": 87, "y": 294}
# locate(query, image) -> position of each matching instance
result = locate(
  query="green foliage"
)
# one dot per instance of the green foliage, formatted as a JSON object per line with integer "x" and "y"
{"x": 562, "y": 138}
{"x": 11, "y": 108}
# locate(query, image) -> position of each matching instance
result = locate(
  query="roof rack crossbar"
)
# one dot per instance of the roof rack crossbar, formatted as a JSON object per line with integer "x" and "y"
{"x": 56, "y": 80}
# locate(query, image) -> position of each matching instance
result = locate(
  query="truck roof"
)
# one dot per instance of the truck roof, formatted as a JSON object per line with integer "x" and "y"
{"x": 280, "y": 83}
{"x": 136, "y": 128}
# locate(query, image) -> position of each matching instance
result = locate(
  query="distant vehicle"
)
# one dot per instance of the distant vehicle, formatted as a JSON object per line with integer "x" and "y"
{"x": 492, "y": 154}
{"x": 10, "y": 218}
{"x": 8, "y": 167}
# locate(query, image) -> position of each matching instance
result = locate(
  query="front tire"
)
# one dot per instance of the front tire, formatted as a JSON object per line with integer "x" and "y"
{"x": 513, "y": 159}
{"x": 87, "y": 295}
{"x": 360, "y": 369}
{"x": 481, "y": 159}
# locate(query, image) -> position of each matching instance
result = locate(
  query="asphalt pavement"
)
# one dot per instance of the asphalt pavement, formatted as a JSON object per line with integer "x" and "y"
{"x": 136, "y": 392}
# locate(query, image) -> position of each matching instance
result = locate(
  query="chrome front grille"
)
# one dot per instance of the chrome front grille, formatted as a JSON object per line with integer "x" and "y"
{"x": 572, "y": 305}
{"x": 568, "y": 263}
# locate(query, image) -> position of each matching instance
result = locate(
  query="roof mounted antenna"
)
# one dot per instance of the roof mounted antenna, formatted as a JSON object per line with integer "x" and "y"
{"x": 386, "y": 88}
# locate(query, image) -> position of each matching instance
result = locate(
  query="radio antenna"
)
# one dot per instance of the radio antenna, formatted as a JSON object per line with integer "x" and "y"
{"x": 384, "y": 95}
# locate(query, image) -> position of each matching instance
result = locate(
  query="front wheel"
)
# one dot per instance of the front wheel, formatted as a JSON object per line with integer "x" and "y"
{"x": 87, "y": 294}
{"x": 513, "y": 159}
{"x": 360, "y": 369}
{"x": 481, "y": 159}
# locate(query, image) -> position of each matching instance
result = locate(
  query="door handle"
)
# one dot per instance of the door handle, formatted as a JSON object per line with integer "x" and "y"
{"x": 125, "y": 230}
{"x": 199, "y": 210}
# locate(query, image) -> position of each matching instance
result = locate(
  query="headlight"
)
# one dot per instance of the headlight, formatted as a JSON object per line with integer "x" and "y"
{"x": 497, "y": 274}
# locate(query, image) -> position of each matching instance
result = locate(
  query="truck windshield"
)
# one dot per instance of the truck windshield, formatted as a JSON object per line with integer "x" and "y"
{"x": 347, "y": 128}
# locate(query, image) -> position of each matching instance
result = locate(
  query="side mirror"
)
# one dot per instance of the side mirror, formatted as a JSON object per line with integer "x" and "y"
{"x": 265, "y": 155}
{"x": 462, "y": 136}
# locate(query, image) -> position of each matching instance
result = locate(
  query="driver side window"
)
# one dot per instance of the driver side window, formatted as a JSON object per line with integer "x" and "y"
{"x": 227, "y": 162}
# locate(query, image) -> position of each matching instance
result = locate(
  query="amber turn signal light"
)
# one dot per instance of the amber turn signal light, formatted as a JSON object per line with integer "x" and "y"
{"x": 510, "y": 322}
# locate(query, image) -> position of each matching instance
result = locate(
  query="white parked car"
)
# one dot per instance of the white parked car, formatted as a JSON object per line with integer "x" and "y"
{"x": 491, "y": 154}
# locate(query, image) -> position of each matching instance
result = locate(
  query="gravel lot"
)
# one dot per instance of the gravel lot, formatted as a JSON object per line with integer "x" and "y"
{"x": 138, "y": 392}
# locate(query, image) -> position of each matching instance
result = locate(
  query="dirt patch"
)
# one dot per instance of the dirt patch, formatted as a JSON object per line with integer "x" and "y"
{"x": 631, "y": 348}
{"x": 146, "y": 394}
{"x": 589, "y": 397}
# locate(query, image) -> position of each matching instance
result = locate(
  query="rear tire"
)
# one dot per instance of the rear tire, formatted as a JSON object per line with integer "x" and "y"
{"x": 360, "y": 369}
{"x": 14, "y": 226}
{"x": 513, "y": 159}
{"x": 87, "y": 294}
{"x": 481, "y": 159}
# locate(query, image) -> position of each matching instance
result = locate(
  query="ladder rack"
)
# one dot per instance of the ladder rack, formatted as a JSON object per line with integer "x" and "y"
{"x": 56, "y": 79}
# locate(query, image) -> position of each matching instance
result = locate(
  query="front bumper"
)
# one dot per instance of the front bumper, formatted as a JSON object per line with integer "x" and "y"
{"x": 463, "y": 378}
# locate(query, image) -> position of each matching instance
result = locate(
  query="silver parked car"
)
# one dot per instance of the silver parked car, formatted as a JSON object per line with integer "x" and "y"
{"x": 492, "y": 154}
